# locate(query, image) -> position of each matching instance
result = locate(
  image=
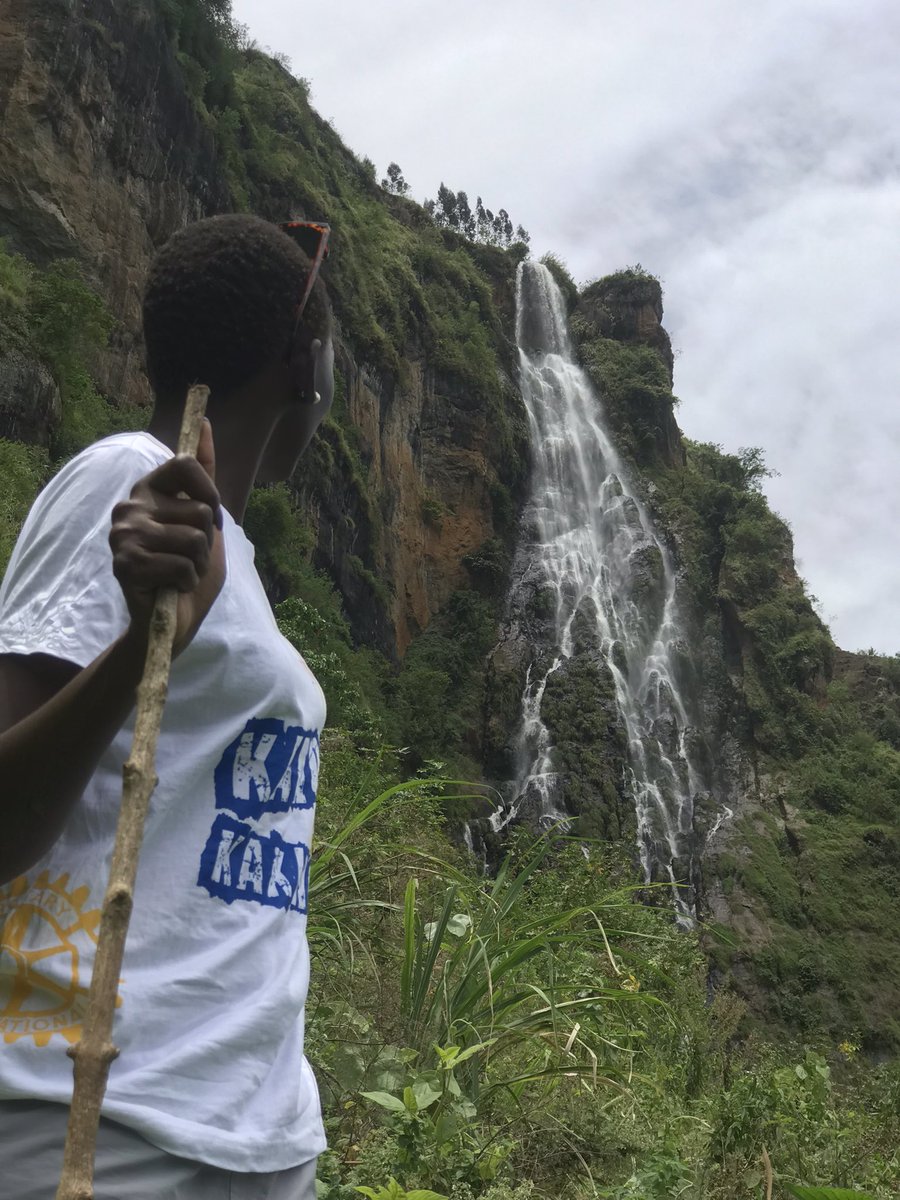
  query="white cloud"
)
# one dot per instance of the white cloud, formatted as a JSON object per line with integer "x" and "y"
{"x": 748, "y": 154}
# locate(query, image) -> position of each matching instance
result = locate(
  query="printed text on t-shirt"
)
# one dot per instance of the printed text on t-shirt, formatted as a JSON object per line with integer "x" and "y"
{"x": 270, "y": 767}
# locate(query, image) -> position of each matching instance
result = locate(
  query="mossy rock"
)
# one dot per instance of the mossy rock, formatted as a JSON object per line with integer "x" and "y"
{"x": 580, "y": 711}
{"x": 647, "y": 590}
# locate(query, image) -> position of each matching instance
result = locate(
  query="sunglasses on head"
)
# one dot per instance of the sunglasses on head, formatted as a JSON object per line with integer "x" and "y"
{"x": 312, "y": 238}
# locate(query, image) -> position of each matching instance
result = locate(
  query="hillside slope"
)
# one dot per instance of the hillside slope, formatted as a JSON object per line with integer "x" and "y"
{"x": 117, "y": 128}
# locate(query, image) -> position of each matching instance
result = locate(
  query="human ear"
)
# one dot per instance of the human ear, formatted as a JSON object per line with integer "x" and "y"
{"x": 300, "y": 420}
{"x": 303, "y": 372}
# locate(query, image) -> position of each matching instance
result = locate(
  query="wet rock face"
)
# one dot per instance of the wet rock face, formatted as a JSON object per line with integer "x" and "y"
{"x": 507, "y": 669}
{"x": 647, "y": 580}
{"x": 578, "y": 707}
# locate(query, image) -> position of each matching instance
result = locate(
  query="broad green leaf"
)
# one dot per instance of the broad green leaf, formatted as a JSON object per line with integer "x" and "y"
{"x": 386, "y": 1100}
{"x": 348, "y": 1066}
{"x": 459, "y": 924}
{"x": 425, "y": 1093}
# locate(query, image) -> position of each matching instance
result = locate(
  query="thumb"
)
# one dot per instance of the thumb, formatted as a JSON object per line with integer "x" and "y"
{"x": 206, "y": 451}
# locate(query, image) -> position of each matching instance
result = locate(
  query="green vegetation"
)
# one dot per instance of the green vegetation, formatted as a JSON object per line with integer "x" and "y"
{"x": 636, "y": 393}
{"x": 563, "y": 278}
{"x": 541, "y": 1034}
{"x": 404, "y": 289}
{"x": 390, "y": 267}
{"x": 433, "y": 512}
{"x": 23, "y": 470}
{"x": 437, "y": 697}
{"x": 55, "y": 318}
{"x": 69, "y": 323}
{"x": 310, "y": 613}
{"x": 451, "y": 210}
{"x": 739, "y": 558}
{"x": 816, "y": 862}
{"x": 809, "y": 860}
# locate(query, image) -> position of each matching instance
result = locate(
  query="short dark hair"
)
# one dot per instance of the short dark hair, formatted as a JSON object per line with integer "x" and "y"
{"x": 220, "y": 303}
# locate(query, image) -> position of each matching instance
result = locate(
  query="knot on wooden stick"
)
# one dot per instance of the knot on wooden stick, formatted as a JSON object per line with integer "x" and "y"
{"x": 104, "y": 1054}
{"x": 119, "y": 898}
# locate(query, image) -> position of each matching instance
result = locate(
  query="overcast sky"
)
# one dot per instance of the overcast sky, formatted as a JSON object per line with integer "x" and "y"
{"x": 747, "y": 154}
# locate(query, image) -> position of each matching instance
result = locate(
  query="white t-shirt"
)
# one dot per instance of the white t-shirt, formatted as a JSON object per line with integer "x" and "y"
{"x": 210, "y": 1008}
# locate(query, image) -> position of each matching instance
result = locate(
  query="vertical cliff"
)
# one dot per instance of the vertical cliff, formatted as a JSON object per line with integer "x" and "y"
{"x": 120, "y": 124}
{"x": 102, "y": 154}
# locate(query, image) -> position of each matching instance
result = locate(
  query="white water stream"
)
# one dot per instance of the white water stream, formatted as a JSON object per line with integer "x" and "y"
{"x": 595, "y": 548}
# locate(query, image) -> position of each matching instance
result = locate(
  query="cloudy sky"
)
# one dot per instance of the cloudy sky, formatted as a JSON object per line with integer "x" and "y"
{"x": 748, "y": 155}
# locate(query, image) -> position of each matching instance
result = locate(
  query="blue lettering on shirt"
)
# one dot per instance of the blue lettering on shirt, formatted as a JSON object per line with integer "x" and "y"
{"x": 238, "y": 863}
{"x": 269, "y": 767}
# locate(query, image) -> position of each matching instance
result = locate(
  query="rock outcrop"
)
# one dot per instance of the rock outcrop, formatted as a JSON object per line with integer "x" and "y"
{"x": 102, "y": 154}
{"x": 29, "y": 399}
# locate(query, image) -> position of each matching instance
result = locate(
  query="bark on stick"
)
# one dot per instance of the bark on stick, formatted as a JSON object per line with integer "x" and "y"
{"x": 95, "y": 1051}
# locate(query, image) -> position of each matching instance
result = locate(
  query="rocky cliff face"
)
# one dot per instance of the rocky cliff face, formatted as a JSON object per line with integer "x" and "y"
{"x": 424, "y": 503}
{"x": 104, "y": 153}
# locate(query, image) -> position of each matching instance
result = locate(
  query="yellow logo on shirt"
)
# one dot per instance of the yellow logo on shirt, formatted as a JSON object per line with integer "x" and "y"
{"x": 44, "y": 933}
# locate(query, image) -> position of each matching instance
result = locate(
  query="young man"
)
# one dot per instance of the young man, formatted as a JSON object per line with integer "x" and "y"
{"x": 211, "y": 1096}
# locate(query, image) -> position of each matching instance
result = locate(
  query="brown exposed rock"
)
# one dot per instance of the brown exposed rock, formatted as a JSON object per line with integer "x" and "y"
{"x": 628, "y": 307}
{"x": 413, "y": 444}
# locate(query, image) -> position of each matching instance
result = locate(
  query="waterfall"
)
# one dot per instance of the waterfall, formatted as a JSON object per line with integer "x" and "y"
{"x": 590, "y": 550}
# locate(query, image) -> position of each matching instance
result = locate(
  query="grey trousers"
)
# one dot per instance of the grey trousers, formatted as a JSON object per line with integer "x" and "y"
{"x": 32, "y": 1135}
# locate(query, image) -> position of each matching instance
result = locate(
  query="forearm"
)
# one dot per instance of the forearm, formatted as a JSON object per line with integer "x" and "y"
{"x": 48, "y": 757}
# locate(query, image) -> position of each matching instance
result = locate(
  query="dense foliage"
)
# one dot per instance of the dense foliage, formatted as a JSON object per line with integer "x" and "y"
{"x": 396, "y": 279}
{"x": 540, "y": 1033}
{"x": 54, "y": 317}
{"x": 53, "y": 320}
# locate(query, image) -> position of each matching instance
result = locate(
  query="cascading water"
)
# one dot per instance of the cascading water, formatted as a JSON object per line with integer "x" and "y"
{"x": 593, "y": 550}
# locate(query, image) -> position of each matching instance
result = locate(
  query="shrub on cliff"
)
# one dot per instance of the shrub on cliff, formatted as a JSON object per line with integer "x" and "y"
{"x": 24, "y": 470}
{"x": 55, "y": 316}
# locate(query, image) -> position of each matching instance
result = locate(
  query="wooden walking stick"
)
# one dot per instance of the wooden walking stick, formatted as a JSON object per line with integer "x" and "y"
{"x": 95, "y": 1051}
